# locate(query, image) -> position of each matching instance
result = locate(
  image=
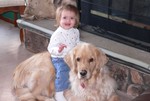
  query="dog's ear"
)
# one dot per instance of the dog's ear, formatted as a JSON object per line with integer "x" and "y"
{"x": 57, "y": 2}
{"x": 70, "y": 58}
{"x": 102, "y": 59}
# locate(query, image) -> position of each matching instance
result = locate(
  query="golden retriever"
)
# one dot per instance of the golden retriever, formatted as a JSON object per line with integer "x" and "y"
{"x": 33, "y": 79}
{"x": 89, "y": 78}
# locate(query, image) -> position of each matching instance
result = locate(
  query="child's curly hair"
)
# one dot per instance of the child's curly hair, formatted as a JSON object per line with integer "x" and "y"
{"x": 67, "y": 7}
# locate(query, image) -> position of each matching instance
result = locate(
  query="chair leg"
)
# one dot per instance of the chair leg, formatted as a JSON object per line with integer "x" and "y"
{"x": 21, "y": 35}
{"x": 15, "y": 19}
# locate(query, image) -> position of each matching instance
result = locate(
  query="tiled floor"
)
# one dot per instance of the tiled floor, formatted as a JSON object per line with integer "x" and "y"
{"x": 12, "y": 52}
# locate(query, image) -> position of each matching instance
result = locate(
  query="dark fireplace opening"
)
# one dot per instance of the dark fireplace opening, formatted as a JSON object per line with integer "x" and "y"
{"x": 125, "y": 21}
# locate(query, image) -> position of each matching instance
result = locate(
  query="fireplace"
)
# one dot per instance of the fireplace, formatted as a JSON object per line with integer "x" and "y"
{"x": 125, "y": 21}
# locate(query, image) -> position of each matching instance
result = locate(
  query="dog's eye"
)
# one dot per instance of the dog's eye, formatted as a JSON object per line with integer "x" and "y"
{"x": 78, "y": 59}
{"x": 91, "y": 60}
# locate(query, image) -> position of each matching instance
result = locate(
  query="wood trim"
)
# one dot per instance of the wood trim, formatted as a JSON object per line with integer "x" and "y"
{"x": 19, "y": 9}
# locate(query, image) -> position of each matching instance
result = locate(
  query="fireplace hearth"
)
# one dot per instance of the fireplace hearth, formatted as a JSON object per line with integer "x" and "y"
{"x": 131, "y": 82}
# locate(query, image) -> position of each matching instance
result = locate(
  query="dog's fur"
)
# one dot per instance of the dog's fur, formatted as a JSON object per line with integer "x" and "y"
{"x": 39, "y": 9}
{"x": 43, "y": 9}
{"x": 90, "y": 80}
{"x": 33, "y": 79}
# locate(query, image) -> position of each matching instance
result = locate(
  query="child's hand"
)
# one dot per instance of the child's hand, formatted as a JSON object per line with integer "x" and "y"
{"x": 61, "y": 47}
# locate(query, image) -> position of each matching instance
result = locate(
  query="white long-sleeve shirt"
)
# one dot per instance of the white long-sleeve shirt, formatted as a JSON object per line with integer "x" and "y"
{"x": 68, "y": 37}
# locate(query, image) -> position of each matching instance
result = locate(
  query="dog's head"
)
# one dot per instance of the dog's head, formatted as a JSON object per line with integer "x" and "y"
{"x": 85, "y": 60}
{"x": 64, "y": 2}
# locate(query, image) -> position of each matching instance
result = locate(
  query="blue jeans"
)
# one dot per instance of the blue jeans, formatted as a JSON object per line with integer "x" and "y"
{"x": 62, "y": 74}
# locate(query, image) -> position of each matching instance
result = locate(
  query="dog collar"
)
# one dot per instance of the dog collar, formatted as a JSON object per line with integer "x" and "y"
{"x": 82, "y": 85}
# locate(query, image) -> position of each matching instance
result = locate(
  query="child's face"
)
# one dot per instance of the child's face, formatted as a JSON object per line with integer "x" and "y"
{"x": 67, "y": 19}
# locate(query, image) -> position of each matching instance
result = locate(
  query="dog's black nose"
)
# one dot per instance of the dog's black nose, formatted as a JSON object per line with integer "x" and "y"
{"x": 83, "y": 73}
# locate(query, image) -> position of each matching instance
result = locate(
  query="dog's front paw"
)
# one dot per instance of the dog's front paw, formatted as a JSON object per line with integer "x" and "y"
{"x": 67, "y": 94}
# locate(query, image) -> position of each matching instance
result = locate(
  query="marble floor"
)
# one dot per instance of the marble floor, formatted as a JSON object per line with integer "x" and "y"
{"x": 12, "y": 52}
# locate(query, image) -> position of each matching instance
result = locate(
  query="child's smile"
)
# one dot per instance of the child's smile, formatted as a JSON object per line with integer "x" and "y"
{"x": 67, "y": 20}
